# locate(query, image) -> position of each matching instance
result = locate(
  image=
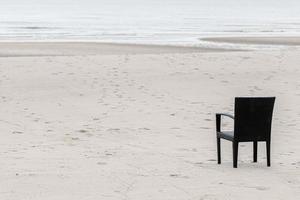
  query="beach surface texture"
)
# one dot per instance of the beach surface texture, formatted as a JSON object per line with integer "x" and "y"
{"x": 86, "y": 121}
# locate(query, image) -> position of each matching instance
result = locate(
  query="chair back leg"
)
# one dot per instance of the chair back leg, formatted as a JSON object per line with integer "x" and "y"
{"x": 219, "y": 150}
{"x": 235, "y": 147}
{"x": 268, "y": 145}
{"x": 255, "y": 151}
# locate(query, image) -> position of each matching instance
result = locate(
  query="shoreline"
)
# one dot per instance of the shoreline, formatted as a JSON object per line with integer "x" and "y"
{"x": 11, "y": 48}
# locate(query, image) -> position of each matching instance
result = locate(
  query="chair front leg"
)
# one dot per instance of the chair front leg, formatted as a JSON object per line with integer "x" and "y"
{"x": 218, "y": 129}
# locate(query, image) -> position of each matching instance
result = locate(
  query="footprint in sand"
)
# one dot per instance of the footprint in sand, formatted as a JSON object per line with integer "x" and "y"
{"x": 17, "y": 132}
{"x": 101, "y": 163}
{"x": 262, "y": 188}
{"x": 178, "y": 176}
{"x": 212, "y": 160}
{"x": 208, "y": 197}
{"x": 108, "y": 154}
{"x": 82, "y": 131}
{"x": 198, "y": 163}
{"x": 89, "y": 135}
{"x": 206, "y": 128}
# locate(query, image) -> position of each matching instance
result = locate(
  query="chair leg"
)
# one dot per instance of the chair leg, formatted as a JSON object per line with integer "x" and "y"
{"x": 255, "y": 151}
{"x": 268, "y": 144}
{"x": 219, "y": 150}
{"x": 235, "y": 147}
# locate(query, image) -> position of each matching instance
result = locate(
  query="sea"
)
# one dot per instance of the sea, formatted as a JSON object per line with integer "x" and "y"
{"x": 182, "y": 22}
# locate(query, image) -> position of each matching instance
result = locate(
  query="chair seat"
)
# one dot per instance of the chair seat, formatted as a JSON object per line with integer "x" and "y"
{"x": 227, "y": 135}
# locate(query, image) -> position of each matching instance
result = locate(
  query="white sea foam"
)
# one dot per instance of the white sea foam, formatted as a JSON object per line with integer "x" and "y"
{"x": 146, "y": 21}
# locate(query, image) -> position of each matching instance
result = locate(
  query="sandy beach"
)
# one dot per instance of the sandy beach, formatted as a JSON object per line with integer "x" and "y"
{"x": 287, "y": 40}
{"x": 86, "y": 121}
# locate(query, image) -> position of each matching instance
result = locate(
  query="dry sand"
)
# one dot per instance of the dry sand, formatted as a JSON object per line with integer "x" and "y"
{"x": 119, "y": 122}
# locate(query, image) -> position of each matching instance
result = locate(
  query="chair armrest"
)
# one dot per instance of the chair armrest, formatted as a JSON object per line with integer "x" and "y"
{"x": 218, "y": 120}
{"x": 225, "y": 114}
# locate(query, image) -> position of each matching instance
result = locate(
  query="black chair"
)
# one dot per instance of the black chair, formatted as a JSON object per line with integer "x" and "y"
{"x": 252, "y": 123}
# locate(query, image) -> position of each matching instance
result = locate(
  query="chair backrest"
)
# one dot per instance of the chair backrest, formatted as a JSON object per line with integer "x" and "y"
{"x": 253, "y": 118}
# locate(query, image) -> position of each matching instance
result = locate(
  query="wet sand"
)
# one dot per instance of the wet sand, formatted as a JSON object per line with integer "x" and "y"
{"x": 288, "y": 41}
{"x": 35, "y": 49}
